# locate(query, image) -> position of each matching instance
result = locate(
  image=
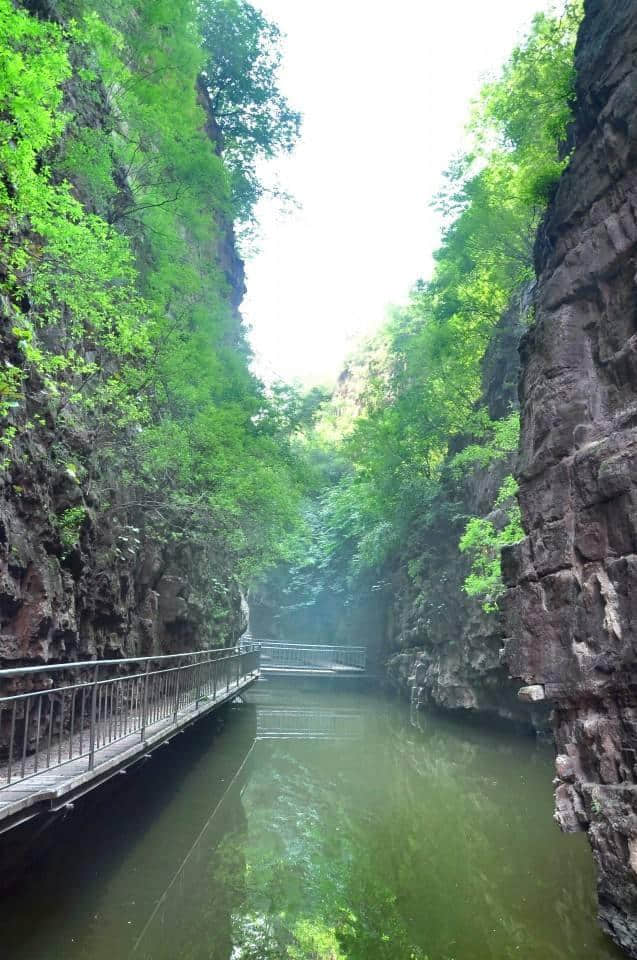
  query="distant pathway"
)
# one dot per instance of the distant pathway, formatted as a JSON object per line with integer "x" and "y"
{"x": 320, "y": 660}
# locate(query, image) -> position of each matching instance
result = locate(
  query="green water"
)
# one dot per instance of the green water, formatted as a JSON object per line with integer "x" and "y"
{"x": 318, "y": 825}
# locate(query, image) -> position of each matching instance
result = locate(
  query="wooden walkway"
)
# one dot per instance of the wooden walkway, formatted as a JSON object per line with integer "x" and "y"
{"x": 27, "y": 794}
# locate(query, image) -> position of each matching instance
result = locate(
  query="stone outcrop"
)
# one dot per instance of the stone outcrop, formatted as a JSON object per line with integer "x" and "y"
{"x": 572, "y": 599}
{"x": 449, "y": 646}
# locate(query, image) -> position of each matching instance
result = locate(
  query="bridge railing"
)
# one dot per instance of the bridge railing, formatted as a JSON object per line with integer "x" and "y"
{"x": 296, "y": 656}
{"x": 52, "y": 715}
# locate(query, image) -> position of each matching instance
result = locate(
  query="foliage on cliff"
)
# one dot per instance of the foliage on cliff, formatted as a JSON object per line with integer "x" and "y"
{"x": 483, "y": 540}
{"x": 243, "y": 55}
{"x": 492, "y": 202}
{"x": 422, "y": 422}
{"x": 119, "y": 278}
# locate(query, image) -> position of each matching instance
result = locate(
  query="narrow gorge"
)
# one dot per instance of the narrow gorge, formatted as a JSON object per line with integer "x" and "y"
{"x": 555, "y": 654}
{"x": 457, "y": 505}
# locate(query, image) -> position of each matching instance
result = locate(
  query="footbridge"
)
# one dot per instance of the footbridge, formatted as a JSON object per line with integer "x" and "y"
{"x": 67, "y": 728}
{"x": 318, "y": 660}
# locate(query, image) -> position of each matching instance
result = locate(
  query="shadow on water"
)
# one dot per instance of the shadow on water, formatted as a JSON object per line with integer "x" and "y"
{"x": 323, "y": 822}
{"x": 108, "y": 865}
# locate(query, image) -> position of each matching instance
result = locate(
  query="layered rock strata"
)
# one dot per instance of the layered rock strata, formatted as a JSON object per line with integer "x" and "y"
{"x": 572, "y": 599}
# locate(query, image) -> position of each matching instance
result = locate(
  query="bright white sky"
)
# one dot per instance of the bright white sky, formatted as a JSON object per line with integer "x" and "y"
{"x": 385, "y": 91}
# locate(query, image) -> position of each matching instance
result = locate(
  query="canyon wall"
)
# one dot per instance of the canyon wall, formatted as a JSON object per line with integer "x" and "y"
{"x": 124, "y": 583}
{"x": 572, "y": 597}
{"x": 441, "y": 646}
{"x": 425, "y": 637}
{"x": 116, "y": 592}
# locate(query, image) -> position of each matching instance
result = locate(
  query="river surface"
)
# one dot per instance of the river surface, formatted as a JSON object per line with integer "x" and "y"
{"x": 316, "y": 825}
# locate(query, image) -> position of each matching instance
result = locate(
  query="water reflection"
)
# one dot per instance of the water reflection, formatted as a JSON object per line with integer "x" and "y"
{"x": 321, "y": 825}
{"x": 140, "y": 872}
{"x": 279, "y": 719}
{"x": 192, "y": 917}
{"x": 303, "y": 724}
{"x": 433, "y": 842}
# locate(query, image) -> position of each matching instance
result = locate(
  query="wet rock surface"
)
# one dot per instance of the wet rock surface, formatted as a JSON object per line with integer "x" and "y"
{"x": 572, "y": 600}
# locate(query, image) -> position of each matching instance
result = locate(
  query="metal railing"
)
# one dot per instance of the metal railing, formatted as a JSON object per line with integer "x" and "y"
{"x": 297, "y": 656}
{"x": 53, "y": 715}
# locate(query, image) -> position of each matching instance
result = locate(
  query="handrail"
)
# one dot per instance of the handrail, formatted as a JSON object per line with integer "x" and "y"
{"x": 307, "y": 646}
{"x": 322, "y": 658}
{"x": 47, "y": 728}
{"x": 78, "y": 664}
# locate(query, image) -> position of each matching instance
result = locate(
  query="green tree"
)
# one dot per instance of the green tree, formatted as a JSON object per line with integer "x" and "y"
{"x": 422, "y": 401}
{"x": 243, "y": 57}
{"x": 116, "y": 213}
{"x": 420, "y": 424}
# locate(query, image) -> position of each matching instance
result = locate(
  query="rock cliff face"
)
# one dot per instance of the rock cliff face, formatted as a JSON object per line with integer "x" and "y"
{"x": 572, "y": 599}
{"x": 115, "y": 593}
{"x": 120, "y": 588}
{"x": 450, "y": 648}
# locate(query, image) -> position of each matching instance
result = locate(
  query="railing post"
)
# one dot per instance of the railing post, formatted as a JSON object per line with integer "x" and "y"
{"x": 145, "y": 702}
{"x": 176, "y": 711}
{"x": 198, "y": 669}
{"x": 12, "y": 738}
{"x": 214, "y": 678}
{"x": 92, "y": 731}
{"x": 25, "y": 738}
{"x": 238, "y": 666}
